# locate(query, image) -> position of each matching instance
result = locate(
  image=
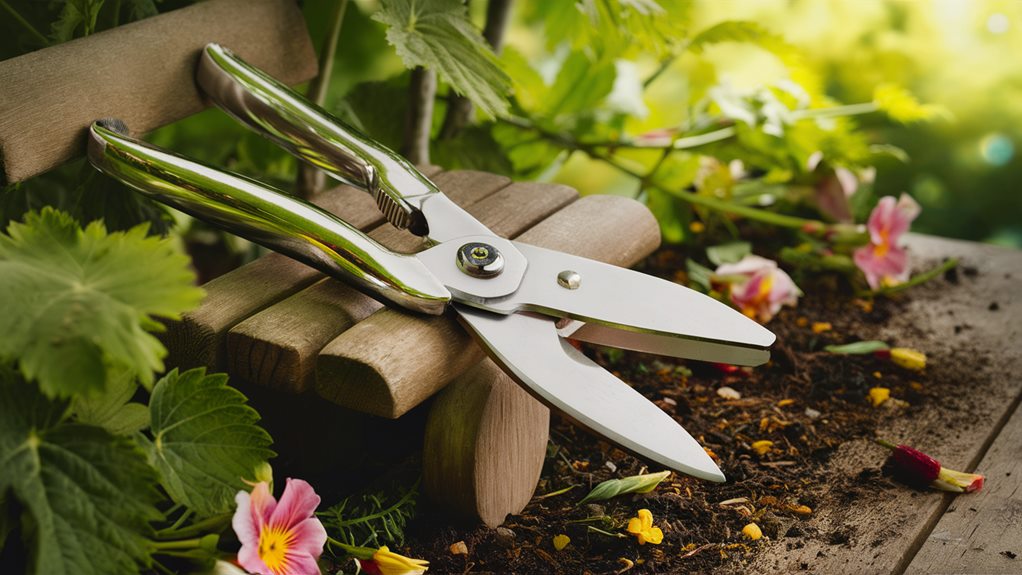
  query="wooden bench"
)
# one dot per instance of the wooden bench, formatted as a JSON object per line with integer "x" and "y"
{"x": 278, "y": 325}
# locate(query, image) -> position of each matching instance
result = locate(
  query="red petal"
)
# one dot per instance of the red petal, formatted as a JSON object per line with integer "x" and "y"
{"x": 914, "y": 465}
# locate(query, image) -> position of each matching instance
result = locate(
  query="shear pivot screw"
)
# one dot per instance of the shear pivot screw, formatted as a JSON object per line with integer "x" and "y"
{"x": 569, "y": 279}
{"x": 480, "y": 260}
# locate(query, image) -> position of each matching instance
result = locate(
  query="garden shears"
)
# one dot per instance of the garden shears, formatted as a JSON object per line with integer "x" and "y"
{"x": 520, "y": 302}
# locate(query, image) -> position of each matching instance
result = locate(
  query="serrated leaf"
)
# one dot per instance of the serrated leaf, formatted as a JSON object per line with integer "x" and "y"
{"x": 205, "y": 441}
{"x": 528, "y": 85}
{"x": 902, "y": 106}
{"x": 79, "y": 300}
{"x": 75, "y": 14}
{"x": 858, "y": 348}
{"x": 580, "y": 85}
{"x": 90, "y": 494}
{"x": 728, "y": 253}
{"x": 437, "y": 34}
{"x": 634, "y": 484}
{"x": 112, "y": 409}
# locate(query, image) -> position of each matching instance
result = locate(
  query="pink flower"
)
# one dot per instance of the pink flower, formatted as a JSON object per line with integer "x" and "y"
{"x": 883, "y": 260}
{"x": 758, "y": 287}
{"x": 282, "y": 538}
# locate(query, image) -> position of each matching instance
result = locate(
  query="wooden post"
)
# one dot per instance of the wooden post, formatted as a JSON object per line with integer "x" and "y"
{"x": 142, "y": 73}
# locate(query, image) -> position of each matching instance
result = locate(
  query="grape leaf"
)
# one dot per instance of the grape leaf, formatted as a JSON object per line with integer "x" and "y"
{"x": 88, "y": 495}
{"x": 113, "y": 409}
{"x": 438, "y": 35}
{"x": 80, "y": 300}
{"x": 205, "y": 441}
{"x": 579, "y": 86}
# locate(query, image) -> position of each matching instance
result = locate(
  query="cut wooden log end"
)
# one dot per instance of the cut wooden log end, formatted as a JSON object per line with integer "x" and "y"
{"x": 484, "y": 446}
{"x": 393, "y": 361}
{"x": 141, "y": 73}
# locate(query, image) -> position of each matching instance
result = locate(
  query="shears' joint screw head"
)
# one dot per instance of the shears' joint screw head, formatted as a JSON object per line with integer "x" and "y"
{"x": 569, "y": 279}
{"x": 480, "y": 260}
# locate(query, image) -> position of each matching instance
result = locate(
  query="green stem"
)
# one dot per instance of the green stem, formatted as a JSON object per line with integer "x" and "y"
{"x": 917, "y": 279}
{"x": 836, "y": 111}
{"x": 214, "y": 523}
{"x": 748, "y": 211}
{"x": 177, "y": 544}
{"x": 353, "y": 550}
{"x": 24, "y": 23}
{"x": 886, "y": 443}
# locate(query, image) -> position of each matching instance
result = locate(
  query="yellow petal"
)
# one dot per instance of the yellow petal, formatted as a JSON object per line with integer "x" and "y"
{"x": 391, "y": 563}
{"x": 752, "y": 531}
{"x": 635, "y": 526}
{"x": 762, "y": 446}
{"x": 561, "y": 541}
{"x": 878, "y": 395}
{"x": 908, "y": 358}
{"x": 821, "y": 326}
{"x": 646, "y": 519}
{"x": 653, "y": 535}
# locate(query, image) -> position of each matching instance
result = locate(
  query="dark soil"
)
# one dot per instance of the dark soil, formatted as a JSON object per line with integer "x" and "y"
{"x": 806, "y": 401}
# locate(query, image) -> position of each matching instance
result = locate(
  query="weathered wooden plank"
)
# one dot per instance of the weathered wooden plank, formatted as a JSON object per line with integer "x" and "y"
{"x": 198, "y": 338}
{"x": 982, "y": 533}
{"x": 484, "y": 446}
{"x": 142, "y": 73}
{"x": 880, "y": 531}
{"x": 278, "y": 346}
{"x": 392, "y": 361}
{"x": 486, "y": 437}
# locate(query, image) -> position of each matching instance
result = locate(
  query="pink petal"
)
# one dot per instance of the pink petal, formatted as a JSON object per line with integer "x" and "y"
{"x": 309, "y": 536}
{"x": 298, "y": 502}
{"x": 263, "y": 504}
{"x": 783, "y": 290}
{"x": 248, "y": 558}
{"x": 301, "y": 563}
{"x": 880, "y": 220}
{"x": 244, "y": 526}
{"x": 749, "y": 265}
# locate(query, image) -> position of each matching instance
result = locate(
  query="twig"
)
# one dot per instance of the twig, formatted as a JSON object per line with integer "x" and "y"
{"x": 419, "y": 120}
{"x": 459, "y": 108}
{"x": 310, "y": 178}
{"x": 24, "y": 23}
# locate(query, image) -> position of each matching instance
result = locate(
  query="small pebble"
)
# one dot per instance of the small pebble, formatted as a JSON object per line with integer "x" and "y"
{"x": 610, "y": 465}
{"x": 459, "y": 548}
{"x": 505, "y": 537}
{"x": 812, "y": 413}
{"x": 729, "y": 393}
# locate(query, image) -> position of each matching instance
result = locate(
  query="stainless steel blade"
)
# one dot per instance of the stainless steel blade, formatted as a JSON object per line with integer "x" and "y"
{"x": 648, "y": 313}
{"x": 528, "y": 348}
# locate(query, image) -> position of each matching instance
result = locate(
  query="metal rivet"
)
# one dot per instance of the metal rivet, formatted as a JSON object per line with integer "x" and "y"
{"x": 480, "y": 260}
{"x": 569, "y": 279}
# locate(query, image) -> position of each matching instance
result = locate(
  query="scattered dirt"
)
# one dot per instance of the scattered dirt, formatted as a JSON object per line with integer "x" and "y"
{"x": 806, "y": 401}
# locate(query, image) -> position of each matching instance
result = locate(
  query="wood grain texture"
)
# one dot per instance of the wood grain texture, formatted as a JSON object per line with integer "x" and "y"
{"x": 392, "y": 361}
{"x": 982, "y": 533}
{"x": 881, "y": 531}
{"x": 278, "y": 346}
{"x": 484, "y": 446}
{"x": 142, "y": 73}
{"x": 197, "y": 339}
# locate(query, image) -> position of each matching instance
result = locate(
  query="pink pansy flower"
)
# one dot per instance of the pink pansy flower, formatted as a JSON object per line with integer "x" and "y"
{"x": 279, "y": 538}
{"x": 758, "y": 287}
{"x": 883, "y": 260}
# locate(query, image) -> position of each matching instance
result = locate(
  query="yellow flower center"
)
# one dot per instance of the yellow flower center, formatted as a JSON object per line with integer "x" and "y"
{"x": 274, "y": 542}
{"x": 880, "y": 250}
{"x": 751, "y": 307}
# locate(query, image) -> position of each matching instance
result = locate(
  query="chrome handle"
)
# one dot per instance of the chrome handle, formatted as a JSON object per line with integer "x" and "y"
{"x": 268, "y": 217}
{"x": 314, "y": 135}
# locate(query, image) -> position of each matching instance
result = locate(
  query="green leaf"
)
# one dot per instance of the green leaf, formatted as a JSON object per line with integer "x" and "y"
{"x": 438, "y": 35}
{"x": 88, "y": 495}
{"x": 113, "y": 409}
{"x": 81, "y": 300}
{"x": 633, "y": 484}
{"x": 580, "y": 85}
{"x": 858, "y": 348}
{"x": 699, "y": 274}
{"x": 528, "y": 85}
{"x": 902, "y": 106}
{"x": 75, "y": 14}
{"x": 373, "y": 518}
{"x": 728, "y": 253}
{"x": 205, "y": 441}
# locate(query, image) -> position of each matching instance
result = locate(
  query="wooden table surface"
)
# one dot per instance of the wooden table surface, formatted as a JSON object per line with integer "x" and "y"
{"x": 979, "y": 427}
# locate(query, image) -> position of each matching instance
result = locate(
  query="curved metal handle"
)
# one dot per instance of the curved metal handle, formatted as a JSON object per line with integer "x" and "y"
{"x": 314, "y": 135}
{"x": 268, "y": 217}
